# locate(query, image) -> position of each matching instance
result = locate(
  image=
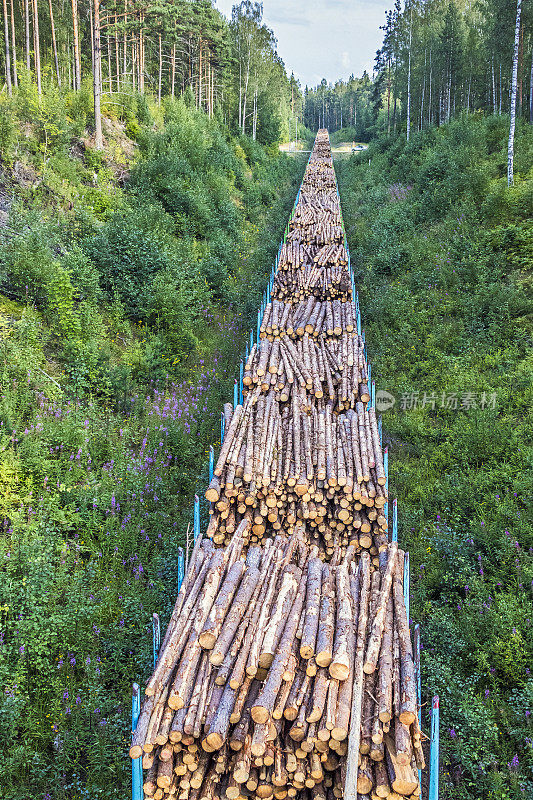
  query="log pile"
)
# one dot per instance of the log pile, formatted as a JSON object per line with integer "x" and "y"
{"x": 334, "y": 368}
{"x": 313, "y": 259}
{"x": 304, "y": 445}
{"x": 279, "y": 655}
{"x": 253, "y": 691}
{"x": 284, "y": 464}
{"x": 327, "y": 319}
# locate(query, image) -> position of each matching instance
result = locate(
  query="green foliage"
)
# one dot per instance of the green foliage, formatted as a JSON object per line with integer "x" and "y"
{"x": 443, "y": 254}
{"x": 8, "y": 132}
{"x": 127, "y": 254}
{"x": 80, "y": 107}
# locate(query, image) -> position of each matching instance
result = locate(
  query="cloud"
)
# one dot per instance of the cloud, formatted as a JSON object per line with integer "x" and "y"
{"x": 284, "y": 19}
{"x": 330, "y": 38}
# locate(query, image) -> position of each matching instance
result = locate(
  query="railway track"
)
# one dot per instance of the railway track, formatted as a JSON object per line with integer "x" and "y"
{"x": 287, "y": 668}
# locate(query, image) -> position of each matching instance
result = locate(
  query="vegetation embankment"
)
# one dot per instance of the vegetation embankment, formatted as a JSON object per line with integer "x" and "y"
{"x": 129, "y": 278}
{"x": 442, "y": 251}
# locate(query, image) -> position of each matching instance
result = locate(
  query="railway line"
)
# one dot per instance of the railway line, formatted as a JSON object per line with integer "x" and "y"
{"x": 287, "y": 669}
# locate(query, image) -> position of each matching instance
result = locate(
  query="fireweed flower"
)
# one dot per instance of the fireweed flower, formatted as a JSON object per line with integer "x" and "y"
{"x": 514, "y": 764}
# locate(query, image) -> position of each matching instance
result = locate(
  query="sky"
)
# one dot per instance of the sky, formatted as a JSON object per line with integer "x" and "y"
{"x": 328, "y": 39}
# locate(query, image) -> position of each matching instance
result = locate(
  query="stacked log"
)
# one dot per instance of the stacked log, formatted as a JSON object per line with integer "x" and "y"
{"x": 252, "y": 693}
{"x": 334, "y": 368}
{"x": 304, "y": 445}
{"x": 287, "y": 669}
{"x": 327, "y": 319}
{"x": 282, "y": 464}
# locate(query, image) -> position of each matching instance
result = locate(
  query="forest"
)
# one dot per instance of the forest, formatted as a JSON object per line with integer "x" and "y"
{"x": 437, "y": 61}
{"x": 143, "y": 197}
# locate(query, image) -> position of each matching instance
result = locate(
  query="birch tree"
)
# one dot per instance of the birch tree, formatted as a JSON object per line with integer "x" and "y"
{"x": 7, "y": 52}
{"x": 514, "y": 82}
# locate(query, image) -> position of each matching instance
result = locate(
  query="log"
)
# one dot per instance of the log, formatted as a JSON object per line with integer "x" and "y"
{"x": 378, "y": 624}
{"x": 408, "y": 692}
{"x": 350, "y": 789}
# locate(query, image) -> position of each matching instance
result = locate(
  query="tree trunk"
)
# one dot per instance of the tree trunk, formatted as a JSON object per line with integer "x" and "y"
{"x": 245, "y": 95}
{"x": 91, "y": 27}
{"x": 530, "y": 90}
{"x": 160, "y": 78}
{"x": 109, "y": 70}
{"x": 240, "y": 96}
{"x": 7, "y": 52}
{"x": 14, "y": 44}
{"x": 76, "y": 39}
{"x": 520, "y": 69}
{"x": 423, "y": 92}
{"x": 510, "y": 148}
{"x": 27, "y": 33}
{"x": 133, "y": 61}
{"x": 125, "y": 43}
{"x": 54, "y": 42}
{"x": 36, "y": 46}
{"x": 493, "y": 88}
{"x": 70, "y": 71}
{"x": 117, "y": 58}
{"x": 199, "y": 96}
{"x": 388, "y": 96}
{"x": 254, "y": 123}
{"x": 141, "y": 56}
{"x": 173, "y": 71}
{"x": 430, "y": 88}
{"x": 409, "y": 76}
{"x": 97, "y": 77}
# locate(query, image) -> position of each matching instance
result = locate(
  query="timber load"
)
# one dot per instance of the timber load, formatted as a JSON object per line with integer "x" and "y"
{"x": 268, "y": 659}
{"x": 287, "y": 666}
{"x": 304, "y": 446}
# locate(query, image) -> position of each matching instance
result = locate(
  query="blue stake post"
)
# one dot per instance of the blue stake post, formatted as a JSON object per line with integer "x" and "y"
{"x": 235, "y": 394}
{"x": 369, "y": 371}
{"x": 434, "y": 751}
{"x": 211, "y": 462}
{"x": 418, "y": 675}
{"x": 406, "y": 583}
{"x": 181, "y": 567}
{"x": 373, "y": 394}
{"x": 222, "y": 426}
{"x": 418, "y": 678}
{"x": 241, "y": 376}
{"x": 395, "y": 520}
{"x": 196, "y": 516}
{"x": 386, "y": 469}
{"x": 380, "y": 429}
{"x": 136, "y": 763}
{"x": 251, "y": 339}
{"x": 156, "y": 636}
{"x": 258, "y": 326}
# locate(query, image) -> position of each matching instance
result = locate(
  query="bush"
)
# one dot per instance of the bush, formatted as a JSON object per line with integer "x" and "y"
{"x": 127, "y": 256}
